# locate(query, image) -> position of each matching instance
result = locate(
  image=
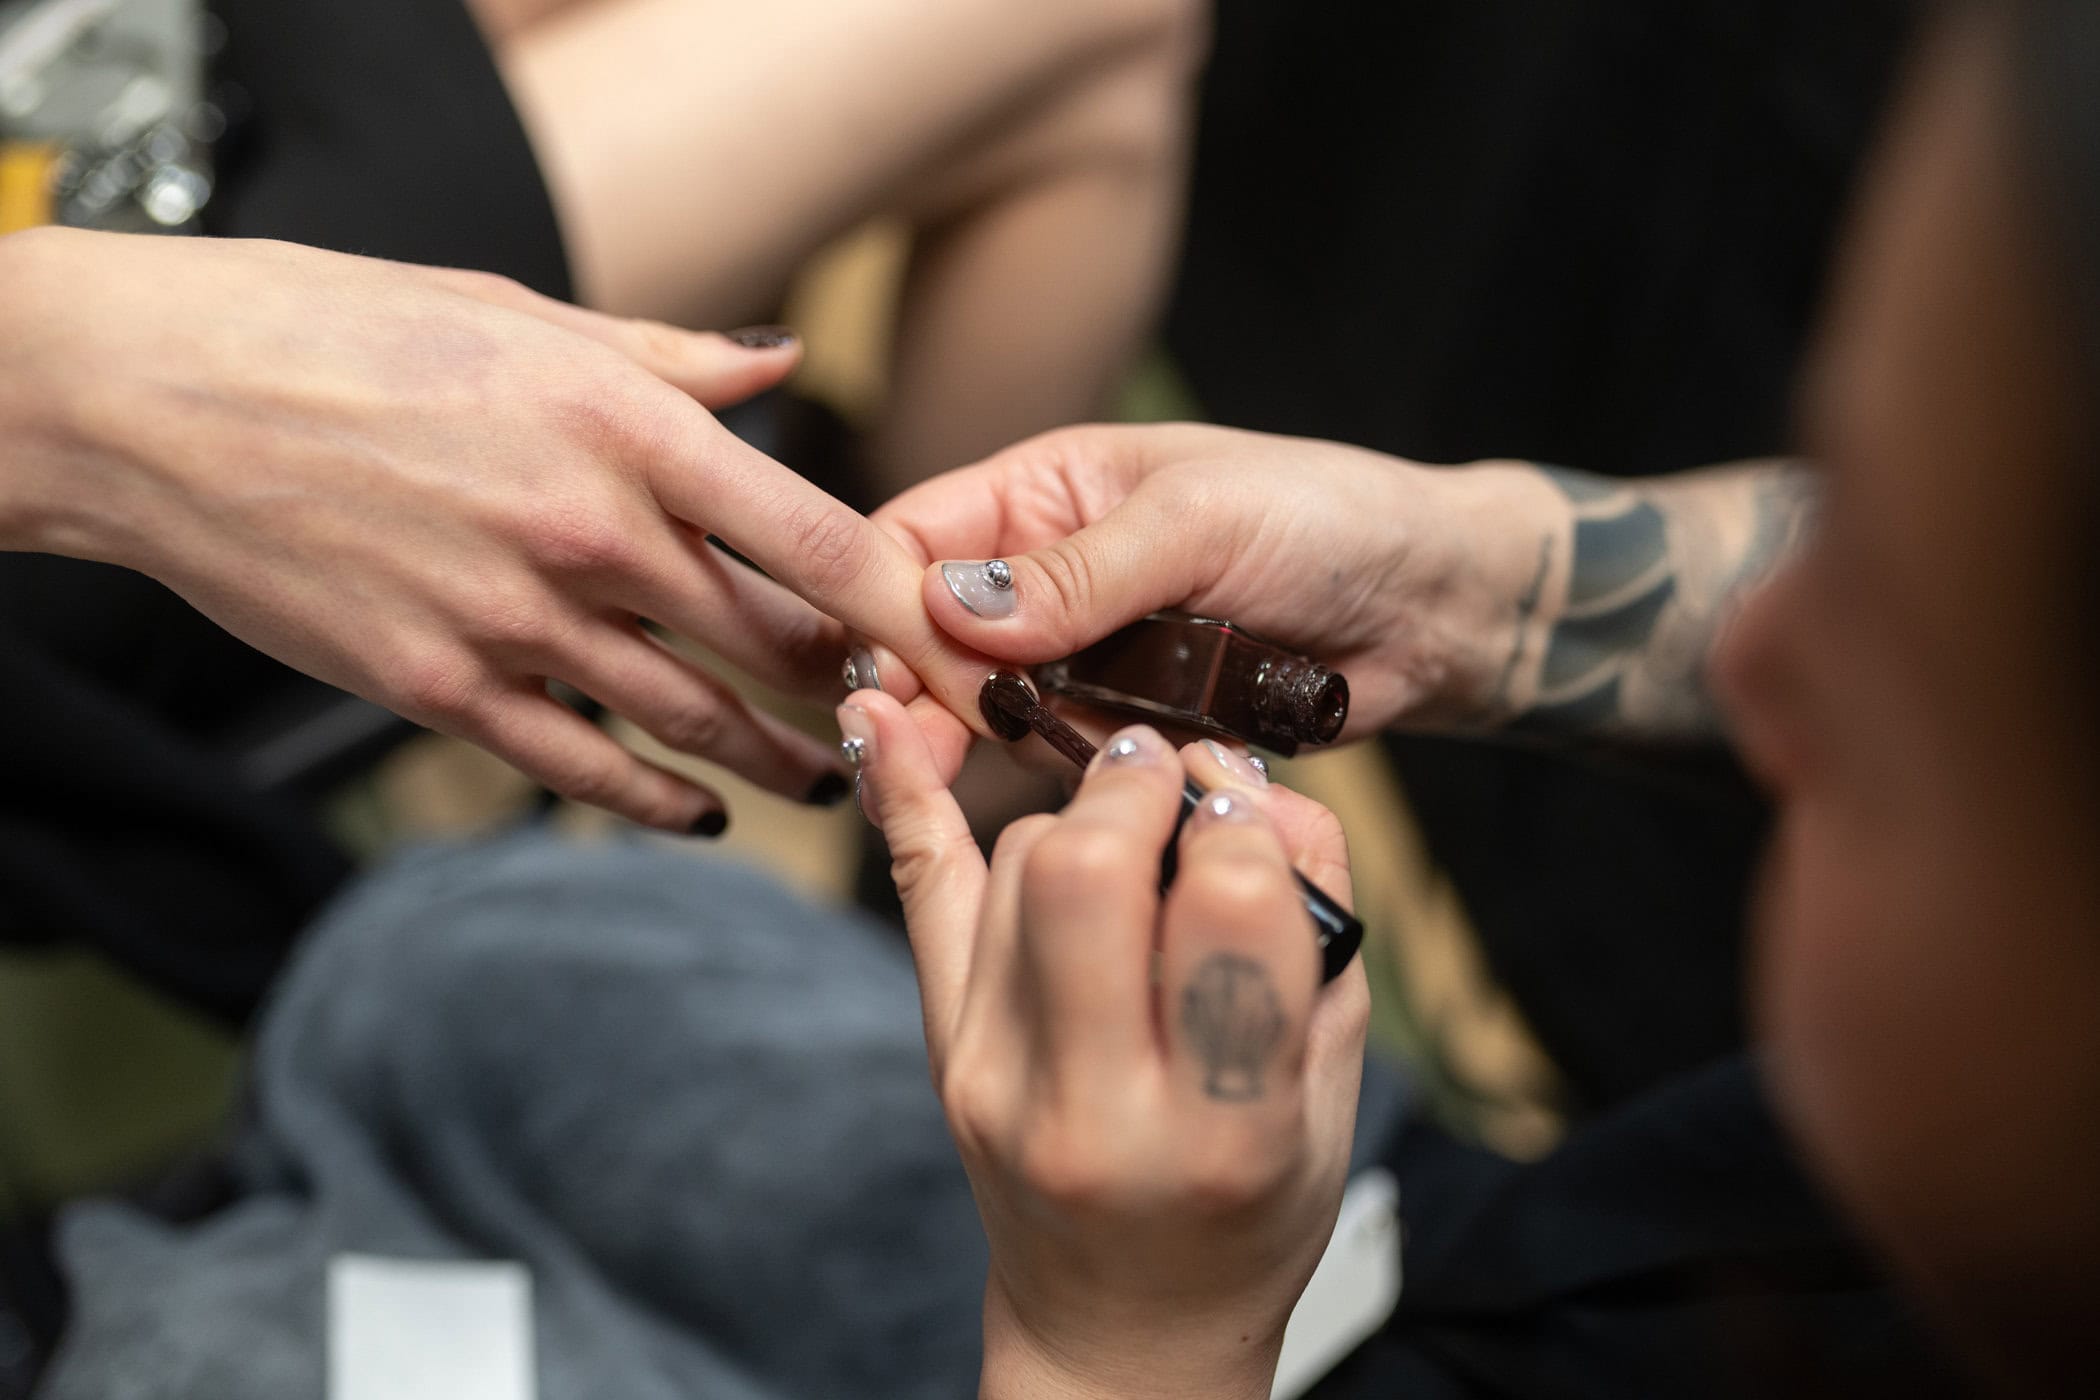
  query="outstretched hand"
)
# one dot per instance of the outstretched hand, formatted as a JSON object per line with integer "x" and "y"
{"x": 441, "y": 491}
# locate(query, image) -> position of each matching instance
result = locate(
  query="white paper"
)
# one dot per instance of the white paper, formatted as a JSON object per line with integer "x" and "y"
{"x": 1354, "y": 1290}
{"x": 420, "y": 1329}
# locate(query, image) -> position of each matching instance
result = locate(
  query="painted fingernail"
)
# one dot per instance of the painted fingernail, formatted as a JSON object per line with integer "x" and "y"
{"x": 1259, "y": 765}
{"x": 1137, "y": 744}
{"x": 985, "y": 587}
{"x": 828, "y": 791}
{"x": 1241, "y": 766}
{"x": 857, "y": 744}
{"x": 711, "y": 824}
{"x": 763, "y": 337}
{"x": 1225, "y": 805}
{"x": 860, "y": 672}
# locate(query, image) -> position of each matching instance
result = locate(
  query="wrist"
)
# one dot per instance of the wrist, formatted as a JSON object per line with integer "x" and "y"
{"x": 54, "y": 498}
{"x": 1498, "y": 562}
{"x": 1161, "y": 1359}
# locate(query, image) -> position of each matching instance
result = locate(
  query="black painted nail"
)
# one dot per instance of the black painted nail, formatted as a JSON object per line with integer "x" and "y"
{"x": 711, "y": 824}
{"x": 763, "y": 337}
{"x": 830, "y": 790}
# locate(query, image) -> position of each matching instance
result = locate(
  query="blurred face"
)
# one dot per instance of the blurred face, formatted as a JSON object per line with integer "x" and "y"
{"x": 1929, "y": 940}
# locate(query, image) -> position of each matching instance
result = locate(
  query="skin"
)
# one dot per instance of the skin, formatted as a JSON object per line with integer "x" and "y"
{"x": 699, "y": 153}
{"x": 1157, "y": 1160}
{"x": 1500, "y": 595}
{"x": 1927, "y": 967}
{"x": 440, "y": 491}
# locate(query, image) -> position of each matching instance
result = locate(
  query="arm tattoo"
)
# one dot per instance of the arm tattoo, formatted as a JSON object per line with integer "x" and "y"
{"x": 1235, "y": 1021}
{"x": 1655, "y": 571}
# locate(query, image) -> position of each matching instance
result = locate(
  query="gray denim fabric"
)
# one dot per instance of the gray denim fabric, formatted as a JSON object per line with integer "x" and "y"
{"x": 696, "y": 1107}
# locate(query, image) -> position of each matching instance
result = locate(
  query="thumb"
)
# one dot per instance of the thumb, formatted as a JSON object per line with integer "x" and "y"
{"x": 1051, "y": 602}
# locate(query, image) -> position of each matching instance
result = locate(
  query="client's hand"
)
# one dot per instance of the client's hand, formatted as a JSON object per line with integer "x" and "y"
{"x": 440, "y": 491}
{"x": 1409, "y": 580}
{"x": 1153, "y": 1096}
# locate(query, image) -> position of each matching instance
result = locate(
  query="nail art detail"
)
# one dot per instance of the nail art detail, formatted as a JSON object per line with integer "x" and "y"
{"x": 860, "y": 671}
{"x": 1241, "y": 766}
{"x": 1225, "y": 805}
{"x": 1259, "y": 765}
{"x": 850, "y": 674}
{"x": 854, "y": 750}
{"x": 1123, "y": 750}
{"x": 978, "y": 586}
{"x": 763, "y": 337}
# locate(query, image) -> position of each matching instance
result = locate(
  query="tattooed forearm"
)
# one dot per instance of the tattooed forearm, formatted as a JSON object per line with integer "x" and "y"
{"x": 1232, "y": 1017}
{"x": 1655, "y": 568}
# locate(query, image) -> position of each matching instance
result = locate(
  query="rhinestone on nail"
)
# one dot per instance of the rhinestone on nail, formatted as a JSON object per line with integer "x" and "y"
{"x": 1123, "y": 749}
{"x": 999, "y": 574}
{"x": 1258, "y": 764}
{"x": 853, "y": 751}
{"x": 851, "y": 675}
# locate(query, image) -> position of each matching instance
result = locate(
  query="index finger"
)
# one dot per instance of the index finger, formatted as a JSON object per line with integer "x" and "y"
{"x": 836, "y": 559}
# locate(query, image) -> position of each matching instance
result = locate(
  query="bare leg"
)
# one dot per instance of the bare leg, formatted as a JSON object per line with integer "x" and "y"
{"x": 700, "y": 150}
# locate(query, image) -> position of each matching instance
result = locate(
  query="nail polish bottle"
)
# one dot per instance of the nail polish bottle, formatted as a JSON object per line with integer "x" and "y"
{"x": 1209, "y": 676}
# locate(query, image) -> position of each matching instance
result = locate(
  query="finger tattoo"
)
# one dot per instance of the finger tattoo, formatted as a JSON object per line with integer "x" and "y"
{"x": 1234, "y": 1018}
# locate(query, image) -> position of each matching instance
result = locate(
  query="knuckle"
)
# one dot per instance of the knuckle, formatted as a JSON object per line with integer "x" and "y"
{"x": 1070, "y": 571}
{"x": 436, "y": 686}
{"x": 1074, "y": 858}
{"x": 832, "y": 547}
{"x": 1233, "y": 890}
{"x": 698, "y": 727}
{"x": 576, "y": 539}
{"x": 975, "y": 1107}
{"x": 1074, "y": 1176}
{"x": 596, "y": 780}
{"x": 920, "y": 855}
{"x": 1232, "y": 1179}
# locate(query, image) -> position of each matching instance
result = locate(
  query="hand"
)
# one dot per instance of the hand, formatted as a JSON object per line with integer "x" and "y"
{"x": 440, "y": 491}
{"x": 1157, "y": 1160}
{"x": 1407, "y": 579}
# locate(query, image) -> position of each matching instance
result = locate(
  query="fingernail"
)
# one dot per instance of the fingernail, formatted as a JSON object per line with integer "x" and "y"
{"x": 985, "y": 587}
{"x": 1137, "y": 744}
{"x": 1259, "y": 765}
{"x": 1241, "y": 766}
{"x": 860, "y": 672}
{"x": 1225, "y": 805}
{"x": 711, "y": 824}
{"x": 763, "y": 337}
{"x": 857, "y": 745}
{"x": 828, "y": 791}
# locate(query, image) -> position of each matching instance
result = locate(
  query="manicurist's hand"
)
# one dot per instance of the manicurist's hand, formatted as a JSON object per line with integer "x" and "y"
{"x": 1409, "y": 580}
{"x": 441, "y": 491}
{"x": 1153, "y": 1095}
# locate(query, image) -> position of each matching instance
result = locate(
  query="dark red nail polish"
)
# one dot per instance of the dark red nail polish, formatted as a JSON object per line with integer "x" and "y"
{"x": 763, "y": 337}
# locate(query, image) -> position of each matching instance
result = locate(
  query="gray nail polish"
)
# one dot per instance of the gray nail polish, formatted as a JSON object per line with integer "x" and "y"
{"x": 860, "y": 671}
{"x": 1239, "y": 765}
{"x": 1259, "y": 765}
{"x": 763, "y": 337}
{"x": 986, "y": 587}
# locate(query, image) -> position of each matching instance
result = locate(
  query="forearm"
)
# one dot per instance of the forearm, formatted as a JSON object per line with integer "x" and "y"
{"x": 1627, "y": 588}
